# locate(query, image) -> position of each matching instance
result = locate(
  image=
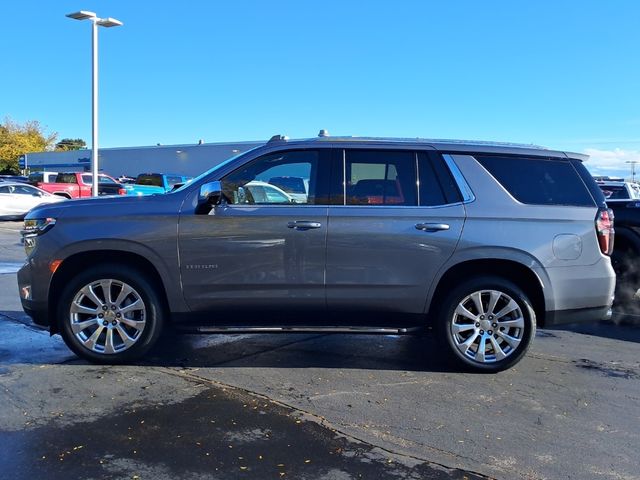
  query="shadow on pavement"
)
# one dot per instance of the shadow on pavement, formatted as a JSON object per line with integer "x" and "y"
{"x": 290, "y": 350}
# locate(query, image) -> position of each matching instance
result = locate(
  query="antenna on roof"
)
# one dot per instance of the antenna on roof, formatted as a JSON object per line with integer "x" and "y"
{"x": 278, "y": 138}
{"x": 323, "y": 133}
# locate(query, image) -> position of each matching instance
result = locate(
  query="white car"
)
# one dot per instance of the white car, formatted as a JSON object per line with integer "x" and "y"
{"x": 16, "y": 199}
{"x": 263, "y": 192}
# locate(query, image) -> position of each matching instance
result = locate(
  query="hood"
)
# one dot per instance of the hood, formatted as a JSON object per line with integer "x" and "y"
{"x": 106, "y": 206}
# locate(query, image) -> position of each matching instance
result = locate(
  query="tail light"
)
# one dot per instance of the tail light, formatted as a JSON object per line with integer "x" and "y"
{"x": 604, "y": 230}
{"x": 122, "y": 191}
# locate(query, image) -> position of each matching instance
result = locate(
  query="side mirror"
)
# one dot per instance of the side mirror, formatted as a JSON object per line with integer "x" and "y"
{"x": 211, "y": 193}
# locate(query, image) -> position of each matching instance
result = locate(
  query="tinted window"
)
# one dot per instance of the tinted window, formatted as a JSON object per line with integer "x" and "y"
{"x": 66, "y": 178}
{"x": 538, "y": 181}
{"x": 380, "y": 177}
{"x": 153, "y": 180}
{"x": 282, "y": 177}
{"x": 4, "y": 189}
{"x": 430, "y": 186}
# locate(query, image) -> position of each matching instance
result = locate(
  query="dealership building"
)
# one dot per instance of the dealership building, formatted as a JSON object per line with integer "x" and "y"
{"x": 188, "y": 160}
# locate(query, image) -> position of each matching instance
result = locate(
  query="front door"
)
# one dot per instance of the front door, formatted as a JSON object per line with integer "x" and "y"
{"x": 263, "y": 249}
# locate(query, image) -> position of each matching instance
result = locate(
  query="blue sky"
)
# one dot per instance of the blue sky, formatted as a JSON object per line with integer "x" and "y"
{"x": 560, "y": 74}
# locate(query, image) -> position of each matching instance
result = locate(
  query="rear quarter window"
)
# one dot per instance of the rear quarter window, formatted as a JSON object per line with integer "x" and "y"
{"x": 539, "y": 181}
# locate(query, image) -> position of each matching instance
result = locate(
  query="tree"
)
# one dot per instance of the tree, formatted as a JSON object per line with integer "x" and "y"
{"x": 17, "y": 139}
{"x": 67, "y": 144}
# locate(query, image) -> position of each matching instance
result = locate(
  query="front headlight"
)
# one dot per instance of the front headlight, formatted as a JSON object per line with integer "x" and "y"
{"x": 33, "y": 228}
{"x": 37, "y": 226}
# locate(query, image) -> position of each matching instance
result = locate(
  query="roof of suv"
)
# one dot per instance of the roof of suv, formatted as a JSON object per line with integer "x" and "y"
{"x": 470, "y": 146}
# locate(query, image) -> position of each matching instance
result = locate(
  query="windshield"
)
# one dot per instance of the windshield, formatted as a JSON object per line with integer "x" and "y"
{"x": 214, "y": 168}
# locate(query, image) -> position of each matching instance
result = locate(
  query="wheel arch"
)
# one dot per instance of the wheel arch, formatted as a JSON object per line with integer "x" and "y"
{"x": 521, "y": 275}
{"x": 72, "y": 264}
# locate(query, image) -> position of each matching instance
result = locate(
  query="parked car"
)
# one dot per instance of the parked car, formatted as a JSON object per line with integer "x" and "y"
{"x": 36, "y": 178}
{"x": 296, "y": 187}
{"x": 14, "y": 178}
{"x": 150, "y": 183}
{"x": 491, "y": 242}
{"x": 263, "y": 192}
{"x": 626, "y": 255}
{"x": 619, "y": 191}
{"x": 17, "y": 198}
{"x": 79, "y": 185}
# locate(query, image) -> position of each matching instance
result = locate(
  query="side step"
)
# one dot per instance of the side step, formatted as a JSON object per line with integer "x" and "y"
{"x": 310, "y": 329}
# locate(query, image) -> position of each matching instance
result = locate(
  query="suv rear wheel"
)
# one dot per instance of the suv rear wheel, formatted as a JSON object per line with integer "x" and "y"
{"x": 487, "y": 324}
{"x": 110, "y": 314}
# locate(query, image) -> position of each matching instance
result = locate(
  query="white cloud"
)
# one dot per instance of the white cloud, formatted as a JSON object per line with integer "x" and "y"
{"x": 612, "y": 162}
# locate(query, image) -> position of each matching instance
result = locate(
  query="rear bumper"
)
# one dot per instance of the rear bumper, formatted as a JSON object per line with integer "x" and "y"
{"x": 579, "y": 315}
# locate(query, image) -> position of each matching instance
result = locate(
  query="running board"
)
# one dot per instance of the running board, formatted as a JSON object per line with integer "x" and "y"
{"x": 235, "y": 329}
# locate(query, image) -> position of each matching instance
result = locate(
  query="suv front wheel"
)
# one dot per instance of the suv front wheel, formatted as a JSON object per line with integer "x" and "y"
{"x": 487, "y": 323}
{"x": 110, "y": 315}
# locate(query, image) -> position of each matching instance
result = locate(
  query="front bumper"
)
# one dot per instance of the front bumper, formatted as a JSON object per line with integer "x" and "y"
{"x": 36, "y": 309}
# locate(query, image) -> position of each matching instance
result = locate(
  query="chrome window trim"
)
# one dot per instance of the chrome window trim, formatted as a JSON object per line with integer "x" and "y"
{"x": 465, "y": 189}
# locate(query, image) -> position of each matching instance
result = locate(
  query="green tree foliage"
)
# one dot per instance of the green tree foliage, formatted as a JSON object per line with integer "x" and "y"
{"x": 17, "y": 139}
{"x": 67, "y": 144}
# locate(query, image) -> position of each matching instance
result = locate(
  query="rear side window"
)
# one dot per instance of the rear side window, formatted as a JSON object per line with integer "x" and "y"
{"x": 538, "y": 181}
{"x": 380, "y": 177}
{"x": 66, "y": 178}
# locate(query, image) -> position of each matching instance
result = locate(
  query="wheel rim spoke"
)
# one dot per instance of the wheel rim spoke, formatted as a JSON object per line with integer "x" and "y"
{"x": 137, "y": 324}
{"x": 482, "y": 347}
{"x": 462, "y": 311}
{"x": 510, "y": 307}
{"x": 137, "y": 305}
{"x": 82, "y": 326}
{"x": 499, "y": 353}
{"x": 512, "y": 341}
{"x": 477, "y": 301}
{"x": 124, "y": 292}
{"x": 516, "y": 322}
{"x": 493, "y": 300}
{"x": 77, "y": 308}
{"x": 106, "y": 290}
{"x": 126, "y": 339}
{"x": 90, "y": 294}
{"x": 464, "y": 327}
{"x": 92, "y": 341}
{"x": 108, "y": 343}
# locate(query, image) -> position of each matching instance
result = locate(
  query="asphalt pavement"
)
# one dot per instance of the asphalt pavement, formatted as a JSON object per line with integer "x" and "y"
{"x": 315, "y": 406}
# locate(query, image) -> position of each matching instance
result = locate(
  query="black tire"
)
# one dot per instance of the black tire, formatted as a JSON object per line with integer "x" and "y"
{"x": 518, "y": 324}
{"x": 147, "y": 317}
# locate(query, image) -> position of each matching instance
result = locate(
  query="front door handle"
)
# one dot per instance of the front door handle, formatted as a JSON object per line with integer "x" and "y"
{"x": 303, "y": 225}
{"x": 432, "y": 227}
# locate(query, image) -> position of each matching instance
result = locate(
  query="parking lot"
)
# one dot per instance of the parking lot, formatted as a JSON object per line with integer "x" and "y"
{"x": 315, "y": 406}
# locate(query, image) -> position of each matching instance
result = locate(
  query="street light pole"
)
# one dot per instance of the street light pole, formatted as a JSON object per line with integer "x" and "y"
{"x": 633, "y": 169}
{"x": 95, "y": 22}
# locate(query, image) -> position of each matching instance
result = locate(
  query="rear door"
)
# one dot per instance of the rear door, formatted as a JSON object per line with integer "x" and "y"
{"x": 396, "y": 221}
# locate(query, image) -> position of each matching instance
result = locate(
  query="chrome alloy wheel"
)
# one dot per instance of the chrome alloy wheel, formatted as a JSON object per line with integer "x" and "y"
{"x": 107, "y": 316}
{"x": 487, "y": 326}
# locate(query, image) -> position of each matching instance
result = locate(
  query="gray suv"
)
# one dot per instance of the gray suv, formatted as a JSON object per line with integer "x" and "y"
{"x": 481, "y": 241}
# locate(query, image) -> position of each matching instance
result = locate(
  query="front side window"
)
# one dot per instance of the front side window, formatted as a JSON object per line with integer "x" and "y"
{"x": 277, "y": 178}
{"x": 380, "y": 177}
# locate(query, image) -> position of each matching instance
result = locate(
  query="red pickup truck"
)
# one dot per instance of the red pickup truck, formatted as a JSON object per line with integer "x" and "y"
{"x": 78, "y": 185}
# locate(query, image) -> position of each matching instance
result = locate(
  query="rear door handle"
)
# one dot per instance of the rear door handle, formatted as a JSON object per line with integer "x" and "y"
{"x": 432, "y": 227}
{"x": 303, "y": 225}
